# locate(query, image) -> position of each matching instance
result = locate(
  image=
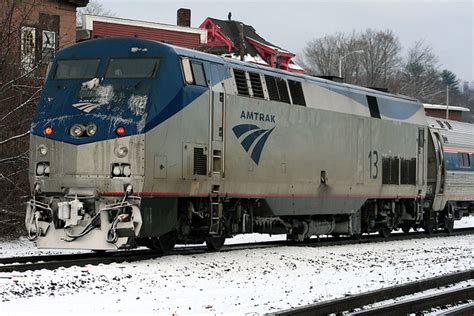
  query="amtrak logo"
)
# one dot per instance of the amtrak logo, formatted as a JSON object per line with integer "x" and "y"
{"x": 252, "y": 134}
{"x": 86, "y": 106}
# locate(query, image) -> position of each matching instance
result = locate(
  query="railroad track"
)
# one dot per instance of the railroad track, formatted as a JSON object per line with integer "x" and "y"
{"x": 402, "y": 307}
{"x": 51, "y": 262}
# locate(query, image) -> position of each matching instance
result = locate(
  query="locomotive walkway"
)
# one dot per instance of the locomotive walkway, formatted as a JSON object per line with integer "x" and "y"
{"x": 51, "y": 262}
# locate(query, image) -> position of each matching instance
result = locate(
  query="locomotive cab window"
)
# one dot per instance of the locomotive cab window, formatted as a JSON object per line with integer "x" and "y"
{"x": 76, "y": 69}
{"x": 464, "y": 160}
{"x": 198, "y": 73}
{"x": 193, "y": 72}
{"x": 132, "y": 68}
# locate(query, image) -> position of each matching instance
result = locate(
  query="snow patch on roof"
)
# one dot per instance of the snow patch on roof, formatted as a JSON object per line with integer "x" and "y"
{"x": 257, "y": 59}
{"x": 443, "y": 107}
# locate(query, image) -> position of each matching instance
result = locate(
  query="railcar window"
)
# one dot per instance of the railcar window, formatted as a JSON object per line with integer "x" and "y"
{"x": 283, "y": 90}
{"x": 296, "y": 91}
{"x": 241, "y": 82}
{"x": 76, "y": 69}
{"x": 272, "y": 88}
{"x": 464, "y": 160}
{"x": 132, "y": 68}
{"x": 198, "y": 73}
{"x": 373, "y": 106}
{"x": 256, "y": 84}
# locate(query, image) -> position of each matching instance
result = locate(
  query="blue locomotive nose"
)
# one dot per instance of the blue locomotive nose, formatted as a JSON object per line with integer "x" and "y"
{"x": 84, "y": 111}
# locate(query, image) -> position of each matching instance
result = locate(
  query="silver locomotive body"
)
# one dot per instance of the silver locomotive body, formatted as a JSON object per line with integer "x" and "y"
{"x": 226, "y": 148}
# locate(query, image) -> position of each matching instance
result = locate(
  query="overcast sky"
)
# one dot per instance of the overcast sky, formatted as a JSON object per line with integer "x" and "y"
{"x": 448, "y": 26}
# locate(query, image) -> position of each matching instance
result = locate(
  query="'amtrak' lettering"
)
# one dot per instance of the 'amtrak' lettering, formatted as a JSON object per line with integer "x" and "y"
{"x": 257, "y": 116}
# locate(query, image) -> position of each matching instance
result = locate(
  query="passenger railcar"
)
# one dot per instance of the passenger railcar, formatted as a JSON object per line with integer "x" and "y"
{"x": 136, "y": 142}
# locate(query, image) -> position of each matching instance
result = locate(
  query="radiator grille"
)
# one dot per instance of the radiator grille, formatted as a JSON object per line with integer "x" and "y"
{"x": 241, "y": 82}
{"x": 200, "y": 162}
{"x": 390, "y": 170}
{"x": 408, "y": 171}
{"x": 256, "y": 85}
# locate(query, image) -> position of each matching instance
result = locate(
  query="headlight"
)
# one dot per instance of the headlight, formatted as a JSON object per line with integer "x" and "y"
{"x": 127, "y": 170}
{"x": 43, "y": 150}
{"x": 77, "y": 130}
{"x": 42, "y": 169}
{"x": 121, "y": 151}
{"x": 39, "y": 169}
{"x": 116, "y": 170}
{"x": 91, "y": 129}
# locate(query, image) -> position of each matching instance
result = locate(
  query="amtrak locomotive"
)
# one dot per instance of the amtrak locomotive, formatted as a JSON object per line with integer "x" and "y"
{"x": 136, "y": 142}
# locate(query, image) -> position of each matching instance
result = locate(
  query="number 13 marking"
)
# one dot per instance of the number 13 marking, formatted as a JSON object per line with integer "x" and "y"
{"x": 373, "y": 161}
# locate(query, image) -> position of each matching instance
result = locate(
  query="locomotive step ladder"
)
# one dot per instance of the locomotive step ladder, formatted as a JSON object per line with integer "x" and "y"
{"x": 216, "y": 215}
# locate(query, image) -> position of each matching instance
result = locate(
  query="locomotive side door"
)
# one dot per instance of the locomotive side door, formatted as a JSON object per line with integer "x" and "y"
{"x": 216, "y": 122}
{"x": 421, "y": 140}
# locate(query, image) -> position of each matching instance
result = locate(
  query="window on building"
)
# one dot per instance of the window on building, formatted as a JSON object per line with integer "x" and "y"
{"x": 28, "y": 48}
{"x": 132, "y": 68}
{"x": 241, "y": 82}
{"x": 464, "y": 160}
{"x": 48, "y": 46}
{"x": 296, "y": 91}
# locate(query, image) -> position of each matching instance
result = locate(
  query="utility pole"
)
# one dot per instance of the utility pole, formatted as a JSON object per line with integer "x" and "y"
{"x": 342, "y": 58}
{"x": 447, "y": 101}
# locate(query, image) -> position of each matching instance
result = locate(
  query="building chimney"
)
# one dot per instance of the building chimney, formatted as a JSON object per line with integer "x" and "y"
{"x": 184, "y": 17}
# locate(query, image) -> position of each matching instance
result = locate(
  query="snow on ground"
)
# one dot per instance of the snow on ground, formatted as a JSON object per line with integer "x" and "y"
{"x": 236, "y": 282}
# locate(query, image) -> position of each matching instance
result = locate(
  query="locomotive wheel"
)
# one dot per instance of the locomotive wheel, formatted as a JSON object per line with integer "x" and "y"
{"x": 163, "y": 244}
{"x": 215, "y": 243}
{"x": 385, "y": 232}
{"x": 448, "y": 225}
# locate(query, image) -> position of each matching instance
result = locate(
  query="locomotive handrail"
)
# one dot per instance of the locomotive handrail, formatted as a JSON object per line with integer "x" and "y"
{"x": 211, "y": 114}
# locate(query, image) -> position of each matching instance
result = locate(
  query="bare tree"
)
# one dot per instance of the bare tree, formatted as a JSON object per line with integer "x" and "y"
{"x": 321, "y": 54}
{"x": 95, "y": 8}
{"x": 22, "y": 65}
{"x": 419, "y": 77}
{"x": 380, "y": 60}
{"x": 374, "y": 67}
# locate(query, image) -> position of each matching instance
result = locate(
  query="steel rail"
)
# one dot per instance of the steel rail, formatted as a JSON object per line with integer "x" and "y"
{"x": 462, "y": 310}
{"x": 52, "y": 262}
{"x": 358, "y": 300}
{"x": 418, "y": 304}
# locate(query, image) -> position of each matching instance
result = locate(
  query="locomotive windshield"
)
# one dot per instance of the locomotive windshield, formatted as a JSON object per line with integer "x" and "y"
{"x": 132, "y": 68}
{"x": 76, "y": 69}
